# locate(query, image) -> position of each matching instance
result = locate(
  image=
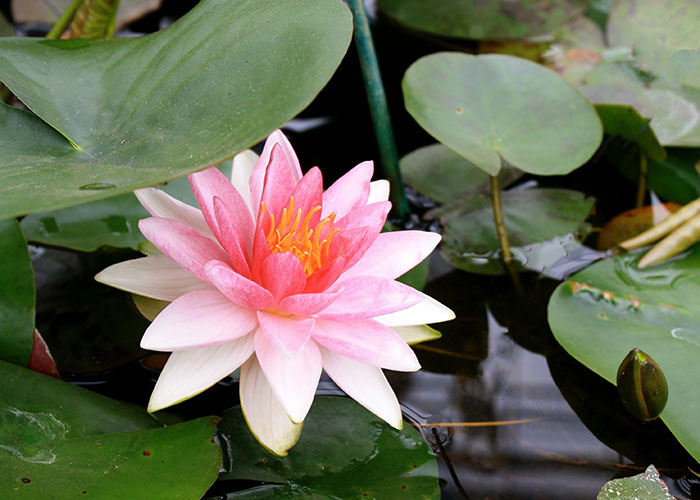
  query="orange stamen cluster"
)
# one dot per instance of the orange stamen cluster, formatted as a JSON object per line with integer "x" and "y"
{"x": 293, "y": 234}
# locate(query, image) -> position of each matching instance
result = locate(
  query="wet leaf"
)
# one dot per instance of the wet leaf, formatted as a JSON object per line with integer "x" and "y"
{"x": 625, "y": 122}
{"x": 611, "y": 307}
{"x": 676, "y": 178}
{"x": 156, "y": 107}
{"x": 494, "y": 109}
{"x": 444, "y": 176}
{"x": 377, "y": 461}
{"x": 631, "y": 223}
{"x": 106, "y": 223}
{"x": 474, "y": 19}
{"x": 531, "y": 216}
{"x": 647, "y": 485}
{"x": 17, "y": 292}
{"x": 40, "y": 11}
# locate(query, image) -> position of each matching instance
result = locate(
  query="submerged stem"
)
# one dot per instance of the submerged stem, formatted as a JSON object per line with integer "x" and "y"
{"x": 501, "y": 231}
{"x": 642, "y": 185}
{"x": 378, "y": 106}
{"x": 65, "y": 19}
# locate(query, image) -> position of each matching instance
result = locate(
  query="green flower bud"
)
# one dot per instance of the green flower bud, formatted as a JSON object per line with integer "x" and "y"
{"x": 642, "y": 385}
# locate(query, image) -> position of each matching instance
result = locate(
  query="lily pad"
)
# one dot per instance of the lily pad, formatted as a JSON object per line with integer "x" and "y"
{"x": 627, "y": 123}
{"x": 531, "y": 216}
{"x": 474, "y": 19}
{"x": 444, "y": 176}
{"x": 105, "y": 223}
{"x": 495, "y": 109}
{"x": 601, "y": 313}
{"x": 344, "y": 452}
{"x": 17, "y": 293}
{"x": 156, "y": 107}
{"x": 647, "y": 485}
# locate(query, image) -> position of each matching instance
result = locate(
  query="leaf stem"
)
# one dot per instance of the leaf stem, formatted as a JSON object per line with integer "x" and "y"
{"x": 65, "y": 19}
{"x": 642, "y": 185}
{"x": 378, "y": 107}
{"x": 501, "y": 231}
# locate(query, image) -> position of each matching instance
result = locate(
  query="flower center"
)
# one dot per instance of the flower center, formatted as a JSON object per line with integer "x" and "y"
{"x": 293, "y": 234}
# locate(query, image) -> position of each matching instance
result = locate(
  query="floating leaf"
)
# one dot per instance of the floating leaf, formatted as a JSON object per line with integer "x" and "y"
{"x": 376, "y": 461}
{"x": 496, "y": 109}
{"x": 531, "y": 216}
{"x": 647, "y": 485}
{"x": 625, "y": 122}
{"x": 16, "y": 295}
{"x": 156, "y": 107}
{"x": 611, "y": 307}
{"x": 474, "y": 19}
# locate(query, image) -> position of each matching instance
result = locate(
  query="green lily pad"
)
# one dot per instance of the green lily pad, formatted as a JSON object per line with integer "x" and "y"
{"x": 611, "y": 307}
{"x": 105, "y": 223}
{"x": 495, "y": 109}
{"x": 627, "y": 123}
{"x": 446, "y": 177}
{"x": 344, "y": 452}
{"x": 60, "y": 441}
{"x": 17, "y": 295}
{"x": 647, "y": 485}
{"x": 532, "y": 218}
{"x": 474, "y": 19}
{"x": 40, "y": 11}
{"x": 156, "y": 107}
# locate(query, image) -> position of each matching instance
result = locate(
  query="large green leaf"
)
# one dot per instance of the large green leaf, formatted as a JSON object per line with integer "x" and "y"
{"x": 611, "y": 307}
{"x": 112, "y": 222}
{"x": 140, "y": 111}
{"x": 16, "y": 295}
{"x": 494, "y": 108}
{"x": 62, "y": 442}
{"x": 476, "y": 19}
{"x": 539, "y": 223}
{"x": 344, "y": 452}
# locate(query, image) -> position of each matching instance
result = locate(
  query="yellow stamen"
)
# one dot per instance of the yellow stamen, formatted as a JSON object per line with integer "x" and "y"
{"x": 292, "y": 234}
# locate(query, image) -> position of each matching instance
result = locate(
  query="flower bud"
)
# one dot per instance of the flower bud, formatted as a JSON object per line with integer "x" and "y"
{"x": 642, "y": 385}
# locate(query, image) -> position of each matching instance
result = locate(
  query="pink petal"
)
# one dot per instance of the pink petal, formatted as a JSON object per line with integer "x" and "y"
{"x": 349, "y": 192}
{"x": 279, "y": 182}
{"x": 378, "y": 191}
{"x": 184, "y": 245}
{"x": 361, "y": 227}
{"x": 308, "y": 194}
{"x": 198, "y": 319}
{"x": 373, "y": 215}
{"x": 231, "y": 237}
{"x": 267, "y": 419}
{"x": 160, "y": 204}
{"x": 261, "y": 251}
{"x": 289, "y": 333}
{"x": 241, "y": 170}
{"x": 367, "y": 296}
{"x": 323, "y": 278}
{"x": 282, "y": 274}
{"x": 368, "y": 342}
{"x": 366, "y": 384}
{"x": 155, "y": 276}
{"x": 187, "y": 373}
{"x": 210, "y": 183}
{"x": 257, "y": 178}
{"x": 394, "y": 253}
{"x": 237, "y": 288}
{"x": 293, "y": 380}
{"x": 307, "y": 304}
{"x": 427, "y": 311}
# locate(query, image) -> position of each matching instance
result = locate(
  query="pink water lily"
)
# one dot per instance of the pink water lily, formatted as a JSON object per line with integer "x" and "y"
{"x": 277, "y": 277}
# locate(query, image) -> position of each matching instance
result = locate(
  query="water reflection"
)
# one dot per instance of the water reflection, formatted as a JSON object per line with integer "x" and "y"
{"x": 561, "y": 433}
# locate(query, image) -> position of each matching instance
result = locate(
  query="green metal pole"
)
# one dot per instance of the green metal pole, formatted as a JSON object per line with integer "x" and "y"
{"x": 378, "y": 106}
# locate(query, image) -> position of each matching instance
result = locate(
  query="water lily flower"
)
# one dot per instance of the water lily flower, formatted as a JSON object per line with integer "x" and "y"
{"x": 282, "y": 280}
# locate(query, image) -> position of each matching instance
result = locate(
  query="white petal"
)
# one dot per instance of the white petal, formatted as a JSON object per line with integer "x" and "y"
{"x": 161, "y": 204}
{"x": 425, "y": 312}
{"x": 366, "y": 384}
{"x": 378, "y": 191}
{"x": 267, "y": 419}
{"x": 155, "y": 276}
{"x": 198, "y": 319}
{"x": 415, "y": 334}
{"x": 293, "y": 380}
{"x": 243, "y": 164}
{"x": 148, "y": 307}
{"x": 187, "y": 373}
